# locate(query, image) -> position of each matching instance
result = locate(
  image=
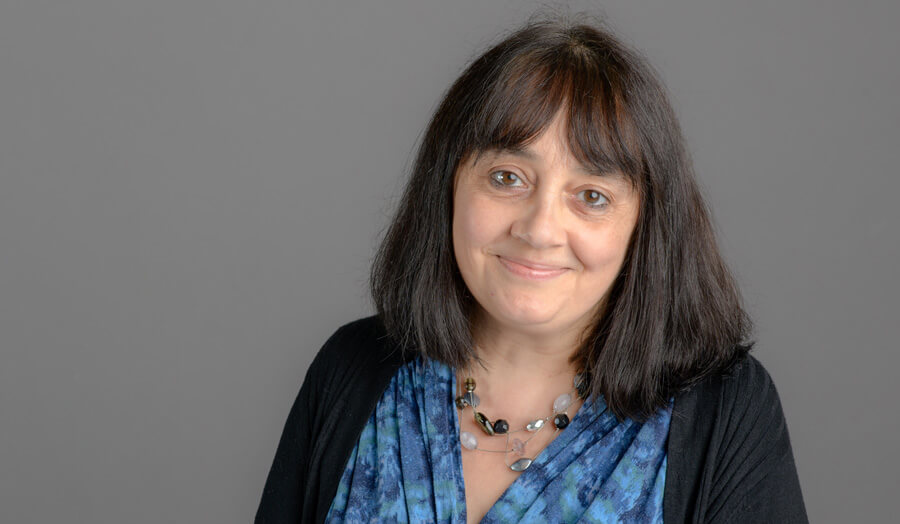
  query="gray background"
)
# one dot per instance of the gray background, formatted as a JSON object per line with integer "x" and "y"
{"x": 191, "y": 193}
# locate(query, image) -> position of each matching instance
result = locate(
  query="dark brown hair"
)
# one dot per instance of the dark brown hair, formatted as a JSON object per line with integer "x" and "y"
{"x": 673, "y": 313}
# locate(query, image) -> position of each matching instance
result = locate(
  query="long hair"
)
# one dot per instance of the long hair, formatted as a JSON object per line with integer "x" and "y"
{"x": 673, "y": 314}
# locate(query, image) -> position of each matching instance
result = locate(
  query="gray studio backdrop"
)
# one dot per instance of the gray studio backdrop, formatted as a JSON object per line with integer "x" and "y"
{"x": 191, "y": 191}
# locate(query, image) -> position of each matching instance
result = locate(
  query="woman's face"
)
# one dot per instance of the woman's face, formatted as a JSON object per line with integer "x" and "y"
{"x": 537, "y": 238}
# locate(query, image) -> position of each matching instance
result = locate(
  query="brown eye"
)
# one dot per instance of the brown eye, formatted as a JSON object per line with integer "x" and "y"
{"x": 505, "y": 179}
{"x": 593, "y": 198}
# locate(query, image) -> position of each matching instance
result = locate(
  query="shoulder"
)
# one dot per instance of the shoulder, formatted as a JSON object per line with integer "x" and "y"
{"x": 747, "y": 408}
{"x": 748, "y": 375}
{"x": 729, "y": 449}
{"x": 361, "y": 344}
{"x": 733, "y": 408}
{"x": 341, "y": 388}
{"x": 355, "y": 363}
{"x": 744, "y": 386}
{"x": 354, "y": 337}
{"x": 744, "y": 409}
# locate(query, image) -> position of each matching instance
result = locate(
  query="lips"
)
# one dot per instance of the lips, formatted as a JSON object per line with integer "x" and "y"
{"x": 531, "y": 270}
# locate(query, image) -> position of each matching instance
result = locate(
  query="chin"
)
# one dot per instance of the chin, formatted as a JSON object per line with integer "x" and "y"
{"x": 524, "y": 315}
{"x": 529, "y": 320}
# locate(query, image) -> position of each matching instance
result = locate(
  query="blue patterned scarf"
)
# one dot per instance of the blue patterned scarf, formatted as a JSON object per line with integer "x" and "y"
{"x": 407, "y": 465}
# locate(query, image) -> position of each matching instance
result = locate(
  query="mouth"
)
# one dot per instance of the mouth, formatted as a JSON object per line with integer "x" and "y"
{"x": 531, "y": 270}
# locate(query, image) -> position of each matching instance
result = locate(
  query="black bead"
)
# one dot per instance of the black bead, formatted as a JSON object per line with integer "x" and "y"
{"x": 501, "y": 426}
{"x": 561, "y": 420}
{"x": 461, "y": 402}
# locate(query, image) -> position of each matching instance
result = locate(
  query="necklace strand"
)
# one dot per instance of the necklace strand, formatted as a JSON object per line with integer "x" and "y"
{"x": 559, "y": 416}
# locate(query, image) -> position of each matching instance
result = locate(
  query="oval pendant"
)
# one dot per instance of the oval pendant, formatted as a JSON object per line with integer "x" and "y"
{"x": 484, "y": 423}
{"x": 520, "y": 465}
{"x": 535, "y": 425}
{"x": 562, "y": 403}
{"x": 468, "y": 440}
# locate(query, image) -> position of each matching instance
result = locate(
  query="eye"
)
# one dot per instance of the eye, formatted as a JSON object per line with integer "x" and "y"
{"x": 593, "y": 198}
{"x": 505, "y": 179}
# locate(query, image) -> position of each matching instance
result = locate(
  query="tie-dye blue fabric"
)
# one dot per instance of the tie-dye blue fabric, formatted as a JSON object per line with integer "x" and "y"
{"x": 407, "y": 465}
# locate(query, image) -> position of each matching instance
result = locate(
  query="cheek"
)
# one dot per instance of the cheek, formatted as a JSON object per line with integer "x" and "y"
{"x": 603, "y": 250}
{"x": 601, "y": 254}
{"x": 477, "y": 223}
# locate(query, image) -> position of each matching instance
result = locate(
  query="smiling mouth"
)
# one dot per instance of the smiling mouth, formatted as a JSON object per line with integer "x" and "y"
{"x": 532, "y": 272}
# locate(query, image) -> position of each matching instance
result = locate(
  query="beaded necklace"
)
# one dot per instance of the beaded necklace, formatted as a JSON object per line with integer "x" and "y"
{"x": 559, "y": 416}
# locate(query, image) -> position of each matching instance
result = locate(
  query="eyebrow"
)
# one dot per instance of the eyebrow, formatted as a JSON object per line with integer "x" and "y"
{"x": 527, "y": 154}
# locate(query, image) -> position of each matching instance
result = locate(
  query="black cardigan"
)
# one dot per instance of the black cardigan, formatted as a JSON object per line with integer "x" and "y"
{"x": 729, "y": 457}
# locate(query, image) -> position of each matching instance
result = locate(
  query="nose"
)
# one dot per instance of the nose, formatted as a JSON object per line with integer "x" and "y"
{"x": 540, "y": 223}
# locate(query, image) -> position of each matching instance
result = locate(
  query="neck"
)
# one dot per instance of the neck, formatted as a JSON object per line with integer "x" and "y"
{"x": 508, "y": 350}
{"x": 522, "y": 371}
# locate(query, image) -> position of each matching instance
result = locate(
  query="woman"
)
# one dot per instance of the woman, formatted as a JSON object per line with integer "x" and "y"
{"x": 557, "y": 337}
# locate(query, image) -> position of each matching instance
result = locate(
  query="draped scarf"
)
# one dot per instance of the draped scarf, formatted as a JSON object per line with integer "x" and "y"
{"x": 407, "y": 464}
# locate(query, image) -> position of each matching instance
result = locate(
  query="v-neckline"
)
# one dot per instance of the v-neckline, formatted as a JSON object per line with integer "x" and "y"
{"x": 551, "y": 450}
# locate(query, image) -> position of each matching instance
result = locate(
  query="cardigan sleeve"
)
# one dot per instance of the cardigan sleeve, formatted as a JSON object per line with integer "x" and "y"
{"x": 341, "y": 388}
{"x": 282, "y": 498}
{"x": 756, "y": 478}
{"x": 750, "y": 475}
